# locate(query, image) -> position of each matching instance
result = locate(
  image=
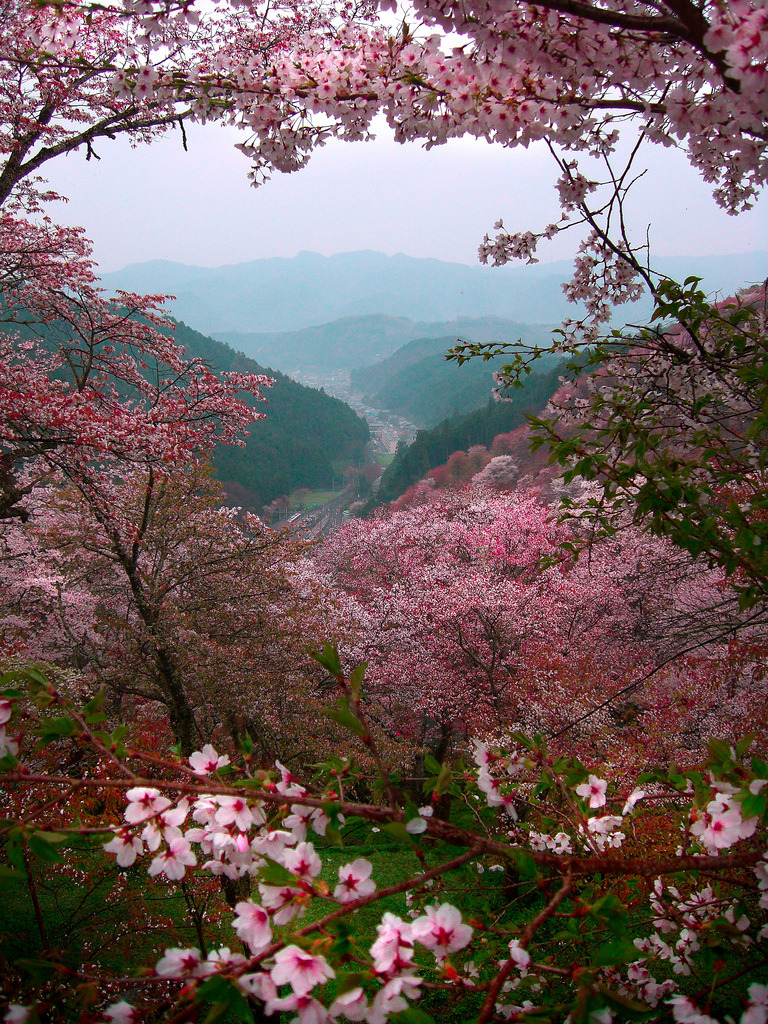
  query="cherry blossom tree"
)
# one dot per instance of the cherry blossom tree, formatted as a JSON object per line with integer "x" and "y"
{"x": 687, "y": 456}
{"x": 88, "y": 383}
{"x": 72, "y": 78}
{"x": 523, "y": 72}
{"x": 638, "y": 895}
{"x": 193, "y": 619}
{"x": 465, "y": 630}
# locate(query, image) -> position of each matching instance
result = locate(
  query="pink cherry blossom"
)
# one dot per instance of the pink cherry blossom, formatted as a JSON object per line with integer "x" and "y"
{"x": 416, "y": 826}
{"x": 17, "y": 1014}
{"x": 757, "y": 1007}
{"x": 593, "y": 791}
{"x": 221, "y": 961}
{"x": 179, "y": 963}
{"x": 126, "y": 847}
{"x": 8, "y": 744}
{"x": 442, "y": 930}
{"x": 520, "y": 956}
{"x": 173, "y": 861}
{"x": 252, "y": 925}
{"x": 636, "y": 795}
{"x": 355, "y": 881}
{"x": 165, "y": 826}
{"x": 352, "y": 1005}
{"x": 722, "y": 825}
{"x": 207, "y": 760}
{"x": 299, "y": 969}
{"x": 234, "y": 810}
{"x": 302, "y": 861}
{"x": 6, "y": 709}
{"x": 685, "y": 1011}
{"x": 121, "y": 1013}
{"x": 283, "y": 903}
{"x": 259, "y": 985}
{"x": 393, "y": 949}
{"x": 392, "y": 998}
{"x": 144, "y": 802}
{"x": 307, "y": 1009}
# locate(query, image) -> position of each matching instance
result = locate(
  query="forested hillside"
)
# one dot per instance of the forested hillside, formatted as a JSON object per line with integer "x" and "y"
{"x": 304, "y": 431}
{"x": 433, "y": 447}
{"x": 418, "y": 382}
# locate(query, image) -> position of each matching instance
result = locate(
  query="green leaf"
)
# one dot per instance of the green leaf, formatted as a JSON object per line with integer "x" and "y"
{"x": 444, "y": 779}
{"x": 742, "y": 747}
{"x": 9, "y": 875}
{"x": 333, "y": 837}
{"x": 329, "y": 659}
{"x": 31, "y": 676}
{"x": 39, "y": 970}
{"x": 246, "y": 743}
{"x": 356, "y": 677}
{"x": 52, "y": 837}
{"x": 57, "y": 728}
{"x": 342, "y": 714}
{"x": 754, "y": 805}
{"x": 226, "y": 999}
{"x": 413, "y": 1015}
{"x": 720, "y": 752}
{"x": 277, "y": 875}
{"x": 612, "y": 912}
{"x": 45, "y": 849}
{"x": 343, "y": 940}
{"x": 619, "y": 951}
{"x": 346, "y": 982}
{"x": 398, "y": 830}
{"x": 91, "y": 709}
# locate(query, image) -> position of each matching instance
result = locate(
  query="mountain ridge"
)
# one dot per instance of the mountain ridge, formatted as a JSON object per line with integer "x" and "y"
{"x": 281, "y": 294}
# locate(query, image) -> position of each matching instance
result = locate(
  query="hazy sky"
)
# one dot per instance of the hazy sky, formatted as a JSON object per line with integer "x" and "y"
{"x": 197, "y": 207}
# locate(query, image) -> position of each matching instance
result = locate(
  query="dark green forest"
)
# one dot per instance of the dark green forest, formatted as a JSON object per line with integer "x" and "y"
{"x": 433, "y": 447}
{"x": 304, "y": 433}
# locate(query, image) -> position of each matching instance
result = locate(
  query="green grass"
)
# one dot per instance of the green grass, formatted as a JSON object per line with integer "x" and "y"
{"x": 315, "y": 498}
{"x": 93, "y": 911}
{"x": 384, "y": 458}
{"x": 392, "y": 864}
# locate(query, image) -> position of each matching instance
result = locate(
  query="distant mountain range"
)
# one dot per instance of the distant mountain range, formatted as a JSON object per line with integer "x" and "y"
{"x": 361, "y": 341}
{"x": 271, "y": 296}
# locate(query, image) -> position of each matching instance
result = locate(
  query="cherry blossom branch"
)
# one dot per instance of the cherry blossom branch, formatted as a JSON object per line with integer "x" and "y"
{"x": 605, "y": 863}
